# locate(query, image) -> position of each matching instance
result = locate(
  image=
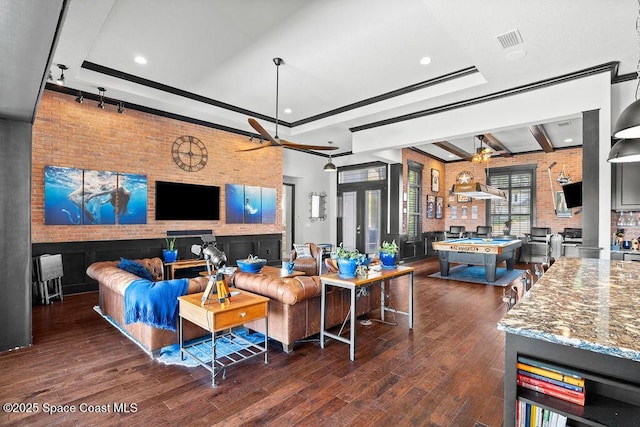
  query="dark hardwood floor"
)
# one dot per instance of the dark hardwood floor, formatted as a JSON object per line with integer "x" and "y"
{"x": 447, "y": 372}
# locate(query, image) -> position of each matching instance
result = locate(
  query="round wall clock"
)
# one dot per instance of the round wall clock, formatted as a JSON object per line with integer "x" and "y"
{"x": 464, "y": 177}
{"x": 189, "y": 153}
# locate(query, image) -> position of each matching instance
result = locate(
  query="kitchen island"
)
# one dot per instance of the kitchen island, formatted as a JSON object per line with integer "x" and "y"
{"x": 583, "y": 315}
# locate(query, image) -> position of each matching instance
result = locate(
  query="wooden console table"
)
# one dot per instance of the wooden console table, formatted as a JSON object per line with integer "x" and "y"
{"x": 172, "y": 267}
{"x": 383, "y": 276}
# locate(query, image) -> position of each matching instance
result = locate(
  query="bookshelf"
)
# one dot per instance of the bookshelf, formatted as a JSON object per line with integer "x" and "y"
{"x": 612, "y": 383}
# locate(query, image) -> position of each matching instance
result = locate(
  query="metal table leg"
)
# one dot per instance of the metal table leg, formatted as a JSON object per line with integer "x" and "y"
{"x": 352, "y": 332}
{"x": 323, "y": 297}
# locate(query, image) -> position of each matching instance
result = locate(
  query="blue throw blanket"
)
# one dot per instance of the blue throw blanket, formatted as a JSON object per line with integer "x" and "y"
{"x": 154, "y": 303}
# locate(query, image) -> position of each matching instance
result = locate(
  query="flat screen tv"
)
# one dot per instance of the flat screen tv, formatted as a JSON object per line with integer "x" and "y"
{"x": 573, "y": 194}
{"x": 177, "y": 201}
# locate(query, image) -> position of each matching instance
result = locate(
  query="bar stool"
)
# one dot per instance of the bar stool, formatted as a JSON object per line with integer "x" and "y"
{"x": 483, "y": 231}
{"x": 48, "y": 274}
{"x": 455, "y": 232}
{"x": 539, "y": 236}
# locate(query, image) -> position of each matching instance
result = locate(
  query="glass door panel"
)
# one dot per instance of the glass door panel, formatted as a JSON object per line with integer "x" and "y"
{"x": 350, "y": 227}
{"x": 372, "y": 215}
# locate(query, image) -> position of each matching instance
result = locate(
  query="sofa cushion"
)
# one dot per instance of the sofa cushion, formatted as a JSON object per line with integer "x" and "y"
{"x": 288, "y": 290}
{"x": 302, "y": 251}
{"x": 134, "y": 267}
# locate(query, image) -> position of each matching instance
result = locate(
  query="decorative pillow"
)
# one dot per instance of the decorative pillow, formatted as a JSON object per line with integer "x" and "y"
{"x": 136, "y": 268}
{"x": 302, "y": 251}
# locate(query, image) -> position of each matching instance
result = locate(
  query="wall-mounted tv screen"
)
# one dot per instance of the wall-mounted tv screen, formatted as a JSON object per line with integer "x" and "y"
{"x": 178, "y": 201}
{"x": 573, "y": 194}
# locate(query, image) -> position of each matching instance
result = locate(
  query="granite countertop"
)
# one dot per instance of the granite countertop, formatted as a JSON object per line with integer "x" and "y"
{"x": 587, "y": 303}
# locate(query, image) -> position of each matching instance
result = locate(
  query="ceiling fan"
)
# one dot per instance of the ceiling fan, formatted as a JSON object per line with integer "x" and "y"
{"x": 275, "y": 141}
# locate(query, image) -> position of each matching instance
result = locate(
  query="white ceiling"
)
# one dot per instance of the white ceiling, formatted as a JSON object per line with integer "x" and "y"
{"x": 338, "y": 53}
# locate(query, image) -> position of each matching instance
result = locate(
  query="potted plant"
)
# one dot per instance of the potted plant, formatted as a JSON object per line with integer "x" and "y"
{"x": 348, "y": 261}
{"x": 389, "y": 254}
{"x": 170, "y": 254}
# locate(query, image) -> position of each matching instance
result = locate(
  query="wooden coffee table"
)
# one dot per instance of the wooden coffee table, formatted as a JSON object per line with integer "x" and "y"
{"x": 172, "y": 267}
{"x": 215, "y": 318}
{"x": 282, "y": 273}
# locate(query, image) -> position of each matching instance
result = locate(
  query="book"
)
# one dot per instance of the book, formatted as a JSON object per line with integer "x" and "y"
{"x": 550, "y": 374}
{"x": 543, "y": 390}
{"x": 549, "y": 367}
{"x": 545, "y": 384}
{"x": 562, "y": 421}
{"x": 545, "y": 418}
{"x": 551, "y": 381}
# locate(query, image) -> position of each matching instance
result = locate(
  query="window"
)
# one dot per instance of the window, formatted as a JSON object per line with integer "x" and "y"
{"x": 366, "y": 174}
{"x": 414, "y": 194}
{"x": 520, "y": 184}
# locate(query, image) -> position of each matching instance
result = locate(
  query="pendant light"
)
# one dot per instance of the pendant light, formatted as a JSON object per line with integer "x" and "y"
{"x": 625, "y": 151}
{"x": 330, "y": 167}
{"x": 628, "y": 124}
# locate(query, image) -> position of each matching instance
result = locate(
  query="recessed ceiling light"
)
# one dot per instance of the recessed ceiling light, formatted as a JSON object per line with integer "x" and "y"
{"x": 287, "y": 111}
{"x": 425, "y": 60}
{"x": 568, "y": 140}
{"x": 514, "y": 55}
{"x": 451, "y": 156}
{"x": 140, "y": 59}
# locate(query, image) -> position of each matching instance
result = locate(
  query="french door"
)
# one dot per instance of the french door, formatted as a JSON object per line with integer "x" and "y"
{"x": 361, "y": 217}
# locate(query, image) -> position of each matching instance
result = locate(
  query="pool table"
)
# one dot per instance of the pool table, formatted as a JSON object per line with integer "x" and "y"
{"x": 476, "y": 251}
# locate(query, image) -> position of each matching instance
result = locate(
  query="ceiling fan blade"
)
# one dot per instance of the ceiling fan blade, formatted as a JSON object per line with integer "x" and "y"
{"x": 258, "y": 127}
{"x": 306, "y": 146}
{"x": 258, "y": 146}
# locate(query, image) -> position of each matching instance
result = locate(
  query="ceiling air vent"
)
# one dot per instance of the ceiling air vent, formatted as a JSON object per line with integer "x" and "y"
{"x": 564, "y": 124}
{"x": 510, "y": 39}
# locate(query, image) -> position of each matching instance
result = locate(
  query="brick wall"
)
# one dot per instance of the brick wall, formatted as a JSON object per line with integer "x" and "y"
{"x": 570, "y": 159}
{"x": 69, "y": 134}
{"x": 428, "y": 163}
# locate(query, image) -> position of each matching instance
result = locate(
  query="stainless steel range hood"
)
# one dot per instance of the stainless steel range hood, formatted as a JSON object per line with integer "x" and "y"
{"x": 476, "y": 190}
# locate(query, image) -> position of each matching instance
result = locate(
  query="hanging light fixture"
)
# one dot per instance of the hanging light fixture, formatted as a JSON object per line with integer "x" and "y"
{"x": 120, "y": 107}
{"x": 628, "y": 124}
{"x": 60, "y": 80}
{"x": 625, "y": 151}
{"x": 80, "y": 98}
{"x": 101, "y": 92}
{"x": 482, "y": 154}
{"x": 330, "y": 167}
{"x": 477, "y": 190}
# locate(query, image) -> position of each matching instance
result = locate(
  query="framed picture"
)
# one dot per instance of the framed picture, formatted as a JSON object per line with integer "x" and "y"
{"x": 439, "y": 202}
{"x": 561, "y": 210}
{"x": 435, "y": 180}
{"x": 431, "y": 206}
{"x": 463, "y": 199}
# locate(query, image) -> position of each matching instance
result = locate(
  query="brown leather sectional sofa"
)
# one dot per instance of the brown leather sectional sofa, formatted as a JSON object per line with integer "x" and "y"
{"x": 112, "y": 281}
{"x": 294, "y": 306}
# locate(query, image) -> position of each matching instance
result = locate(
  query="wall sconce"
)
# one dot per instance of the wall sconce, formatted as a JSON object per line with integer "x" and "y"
{"x": 101, "y": 92}
{"x": 60, "y": 81}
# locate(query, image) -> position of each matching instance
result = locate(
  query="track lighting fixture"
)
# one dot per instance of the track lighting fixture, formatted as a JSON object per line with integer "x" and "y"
{"x": 60, "y": 81}
{"x": 101, "y": 92}
{"x": 120, "y": 107}
{"x": 330, "y": 167}
{"x": 80, "y": 98}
